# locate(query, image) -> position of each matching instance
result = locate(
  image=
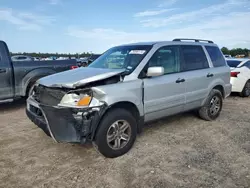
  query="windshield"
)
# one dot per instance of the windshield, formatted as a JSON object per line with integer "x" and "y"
{"x": 122, "y": 57}
{"x": 233, "y": 63}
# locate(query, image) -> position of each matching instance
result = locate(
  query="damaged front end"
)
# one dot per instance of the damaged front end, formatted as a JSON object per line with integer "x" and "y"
{"x": 66, "y": 115}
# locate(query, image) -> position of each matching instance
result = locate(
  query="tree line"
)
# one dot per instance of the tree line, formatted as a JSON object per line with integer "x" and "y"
{"x": 45, "y": 55}
{"x": 233, "y": 52}
{"x": 236, "y": 51}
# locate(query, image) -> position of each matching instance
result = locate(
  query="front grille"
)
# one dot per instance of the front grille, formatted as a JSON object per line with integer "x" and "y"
{"x": 48, "y": 96}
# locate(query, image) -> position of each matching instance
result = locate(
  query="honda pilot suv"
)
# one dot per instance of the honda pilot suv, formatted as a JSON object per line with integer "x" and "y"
{"x": 108, "y": 102}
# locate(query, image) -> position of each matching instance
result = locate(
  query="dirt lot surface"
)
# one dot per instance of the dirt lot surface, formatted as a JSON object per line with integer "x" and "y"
{"x": 180, "y": 151}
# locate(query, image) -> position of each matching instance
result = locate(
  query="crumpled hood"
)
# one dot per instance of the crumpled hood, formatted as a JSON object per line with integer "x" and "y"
{"x": 78, "y": 77}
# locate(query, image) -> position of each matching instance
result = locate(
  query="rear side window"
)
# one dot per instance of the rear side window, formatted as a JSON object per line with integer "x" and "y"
{"x": 216, "y": 56}
{"x": 194, "y": 58}
{"x": 247, "y": 64}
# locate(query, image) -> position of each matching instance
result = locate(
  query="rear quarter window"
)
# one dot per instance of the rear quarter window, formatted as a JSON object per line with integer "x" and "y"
{"x": 194, "y": 58}
{"x": 216, "y": 56}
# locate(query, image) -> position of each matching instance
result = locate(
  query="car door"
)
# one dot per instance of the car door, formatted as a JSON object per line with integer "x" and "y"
{"x": 164, "y": 95}
{"x": 197, "y": 75}
{"x": 6, "y": 85}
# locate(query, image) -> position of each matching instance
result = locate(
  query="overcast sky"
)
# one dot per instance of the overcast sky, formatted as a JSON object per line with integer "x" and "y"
{"x": 94, "y": 25}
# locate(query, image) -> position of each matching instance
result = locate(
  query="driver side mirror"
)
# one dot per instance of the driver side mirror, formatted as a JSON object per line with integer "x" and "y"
{"x": 155, "y": 71}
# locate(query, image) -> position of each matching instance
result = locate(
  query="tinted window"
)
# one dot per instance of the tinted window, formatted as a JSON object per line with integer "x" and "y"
{"x": 233, "y": 63}
{"x": 247, "y": 64}
{"x": 216, "y": 56}
{"x": 167, "y": 57}
{"x": 21, "y": 57}
{"x": 194, "y": 58}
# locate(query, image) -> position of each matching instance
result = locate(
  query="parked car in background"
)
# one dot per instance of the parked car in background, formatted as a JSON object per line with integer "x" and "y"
{"x": 240, "y": 76}
{"x": 18, "y": 78}
{"x": 22, "y": 58}
{"x": 84, "y": 62}
{"x": 93, "y": 57}
{"x": 37, "y": 58}
{"x": 109, "y": 101}
{"x": 227, "y": 56}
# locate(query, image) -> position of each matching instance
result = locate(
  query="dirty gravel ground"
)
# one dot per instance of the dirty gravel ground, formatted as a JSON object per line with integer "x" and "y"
{"x": 180, "y": 151}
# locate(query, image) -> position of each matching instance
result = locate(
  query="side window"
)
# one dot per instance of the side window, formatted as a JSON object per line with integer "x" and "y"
{"x": 247, "y": 64}
{"x": 167, "y": 57}
{"x": 194, "y": 58}
{"x": 216, "y": 56}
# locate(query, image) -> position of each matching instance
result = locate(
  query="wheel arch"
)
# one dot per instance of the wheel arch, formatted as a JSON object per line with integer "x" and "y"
{"x": 130, "y": 107}
{"x": 215, "y": 85}
{"x": 242, "y": 93}
{"x": 33, "y": 76}
{"x": 221, "y": 89}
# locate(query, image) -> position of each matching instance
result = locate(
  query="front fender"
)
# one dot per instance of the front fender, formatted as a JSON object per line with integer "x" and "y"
{"x": 131, "y": 91}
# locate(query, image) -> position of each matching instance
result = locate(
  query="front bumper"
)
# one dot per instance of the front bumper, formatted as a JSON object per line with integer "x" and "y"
{"x": 65, "y": 124}
{"x": 39, "y": 121}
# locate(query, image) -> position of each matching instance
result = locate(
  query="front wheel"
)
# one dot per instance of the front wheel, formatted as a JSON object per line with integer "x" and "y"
{"x": 116, "y": 134}
{"x": 30, "y": 90}
{"x": 212, "y": 108}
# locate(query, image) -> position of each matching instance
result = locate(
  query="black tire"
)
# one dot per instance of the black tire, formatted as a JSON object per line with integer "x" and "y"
{"x": 206, "y": 112}
{"x": 101, "y": 137}
{"x": 30, "y": 89}
{"x": 246, "y": 90}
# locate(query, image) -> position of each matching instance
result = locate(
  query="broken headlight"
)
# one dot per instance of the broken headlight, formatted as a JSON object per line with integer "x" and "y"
{"x": 79, "y": 99}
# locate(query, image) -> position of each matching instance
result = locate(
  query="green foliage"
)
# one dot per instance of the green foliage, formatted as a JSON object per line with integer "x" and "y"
{"x": 44, "y": 55}
{"x": 239, "y": 51}
{"x": 236, "y": 51}
{"x": 225, "y": 50}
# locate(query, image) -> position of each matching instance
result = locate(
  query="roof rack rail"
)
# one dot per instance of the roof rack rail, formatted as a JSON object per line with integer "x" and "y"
{"x": 195, "y": 40}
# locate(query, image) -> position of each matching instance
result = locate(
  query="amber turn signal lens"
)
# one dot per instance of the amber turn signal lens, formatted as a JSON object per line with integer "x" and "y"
{"x": 84, "y": 101}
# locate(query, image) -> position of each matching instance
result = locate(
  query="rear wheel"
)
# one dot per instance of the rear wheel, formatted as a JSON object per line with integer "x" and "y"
{"x": 212, "y": 108}
{"x": 246, "y": 90}
{"x": 116, "y": 134}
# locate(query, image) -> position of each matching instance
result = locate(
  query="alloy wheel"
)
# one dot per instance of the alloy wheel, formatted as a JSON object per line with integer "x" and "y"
{"x": 118, "y": 134}
{"x": 215, "y": 105}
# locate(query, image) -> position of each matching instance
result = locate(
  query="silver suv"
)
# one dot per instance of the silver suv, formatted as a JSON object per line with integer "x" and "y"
{"x": 108, "y": 102}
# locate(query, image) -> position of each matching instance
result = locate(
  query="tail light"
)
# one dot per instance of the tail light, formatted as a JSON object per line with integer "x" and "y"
{"x": 234, "y": 74}
{"x": 73, "y": 67}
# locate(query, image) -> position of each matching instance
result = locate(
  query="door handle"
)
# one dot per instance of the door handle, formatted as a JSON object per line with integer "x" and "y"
{"x": 2, "y": 70}
{"x": 180, "y": 80}
{"x": 210, "y": 75}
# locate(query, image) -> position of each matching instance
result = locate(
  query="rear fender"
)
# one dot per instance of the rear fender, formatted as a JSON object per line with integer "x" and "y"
{"x": 216, "y": 82}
